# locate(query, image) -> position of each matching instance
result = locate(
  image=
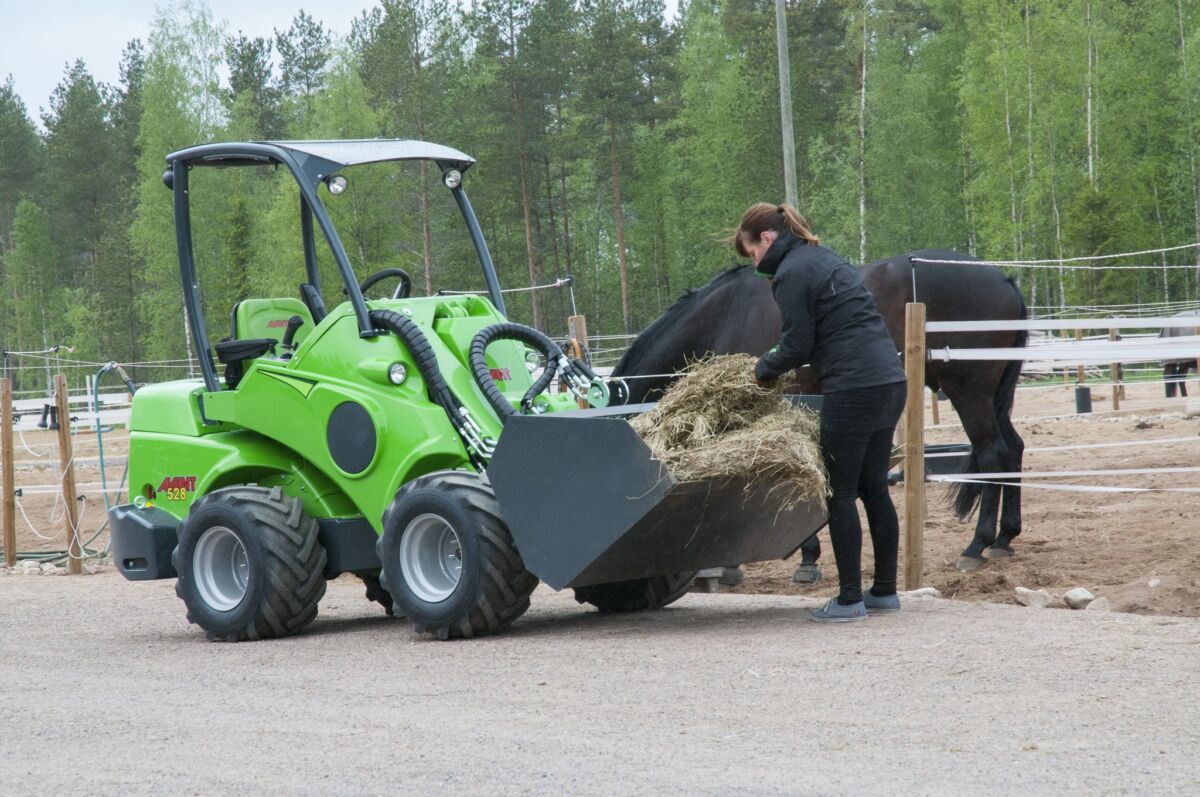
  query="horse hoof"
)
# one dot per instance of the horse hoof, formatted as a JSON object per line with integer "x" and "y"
{"x": 807, "y": 574}
{"x": 999, "y": 552}
{"x": 968, "y": 563}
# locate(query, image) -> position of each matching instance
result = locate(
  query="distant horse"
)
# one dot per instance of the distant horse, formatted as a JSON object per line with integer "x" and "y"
{"x": 735, "y": 312}
{"x": 1175, "y": 371}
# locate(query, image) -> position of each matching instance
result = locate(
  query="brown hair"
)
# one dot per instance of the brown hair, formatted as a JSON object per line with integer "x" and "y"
{"x": 763, "y": 216}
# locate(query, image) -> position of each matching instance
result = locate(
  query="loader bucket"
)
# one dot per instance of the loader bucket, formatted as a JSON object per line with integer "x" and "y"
{"x": 588, "y": 504}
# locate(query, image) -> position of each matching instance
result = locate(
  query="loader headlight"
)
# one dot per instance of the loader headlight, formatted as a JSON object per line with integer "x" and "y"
{"x": 531, "y": 360}
{"x": 397, "y": 373}
{"x": 452, "y": 178}
{"x": 337, "y": 184}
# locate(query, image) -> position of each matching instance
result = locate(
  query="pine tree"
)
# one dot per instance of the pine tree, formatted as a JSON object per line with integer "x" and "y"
{"x": 252, "y": 94}
{"x": 304, "y": 50}
{"x": 21, "y": 158}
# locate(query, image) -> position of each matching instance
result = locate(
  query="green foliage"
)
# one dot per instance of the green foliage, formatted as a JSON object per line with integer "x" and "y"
{"x": 973, "y": 131}
{"x": 34, "y": 307}
{"x": 21, "y": 153}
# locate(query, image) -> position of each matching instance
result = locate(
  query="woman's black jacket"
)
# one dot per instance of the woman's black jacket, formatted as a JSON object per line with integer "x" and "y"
{"x": 829, "y": 319}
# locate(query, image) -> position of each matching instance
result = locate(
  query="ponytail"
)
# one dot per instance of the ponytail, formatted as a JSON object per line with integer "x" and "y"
{"x": 762, "y": 216}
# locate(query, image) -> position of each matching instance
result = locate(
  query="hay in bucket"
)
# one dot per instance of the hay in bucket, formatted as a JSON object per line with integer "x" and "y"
{"x": 716, "y": 423}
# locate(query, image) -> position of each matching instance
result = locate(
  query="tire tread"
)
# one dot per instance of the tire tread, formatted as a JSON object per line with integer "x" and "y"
{"x": 294, "y": 563}
{"x": 637, "y": 595}
{"x": 504, "y": 584}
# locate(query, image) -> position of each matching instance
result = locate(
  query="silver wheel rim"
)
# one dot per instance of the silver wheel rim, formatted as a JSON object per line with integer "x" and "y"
{"x": 221, "y": 568}
{"x": 430, "y": 558}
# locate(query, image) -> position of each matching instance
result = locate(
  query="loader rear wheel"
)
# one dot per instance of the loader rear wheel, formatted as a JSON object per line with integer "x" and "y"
{"x": 637, "y": 595}
{"x": 448, "y": 559}
{"x": 249, "y": 564}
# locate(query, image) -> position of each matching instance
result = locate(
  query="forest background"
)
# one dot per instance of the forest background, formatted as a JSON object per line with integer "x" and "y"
{"x": 613, "y": 145}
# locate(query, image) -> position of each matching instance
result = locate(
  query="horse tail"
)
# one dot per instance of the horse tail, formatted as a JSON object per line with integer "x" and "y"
{"x": 964, "y": 496}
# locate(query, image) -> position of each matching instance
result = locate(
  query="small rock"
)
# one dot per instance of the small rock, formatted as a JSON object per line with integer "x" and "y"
{"x": 52, "y": 570}
{"x": 92, "y": 568}
{"x": 1154, "y": 582}
{"x": 1034, "y": 599}
{"x": 924, "y": 592}
{"x": 30, "y": 567}
{"x": 1078, "y": 598}
{"x": 1099, "y": 605}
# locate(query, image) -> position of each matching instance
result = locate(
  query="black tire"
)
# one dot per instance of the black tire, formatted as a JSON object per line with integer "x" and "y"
{"x": 492, "y": 588}
{"x": 284, "y": 564}
{"x": 638, "y": 595}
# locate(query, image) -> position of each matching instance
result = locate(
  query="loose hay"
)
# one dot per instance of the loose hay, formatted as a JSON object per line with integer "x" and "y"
{"x": 716, "y": 423}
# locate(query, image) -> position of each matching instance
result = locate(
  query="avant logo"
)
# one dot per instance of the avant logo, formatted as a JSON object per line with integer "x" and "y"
{"x": 276, "y": 323}
{"x": 501, "y": 374}
{"x": 186, "y": 483}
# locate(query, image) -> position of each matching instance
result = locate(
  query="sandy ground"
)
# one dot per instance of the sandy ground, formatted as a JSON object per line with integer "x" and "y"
{"x": 1115, "y": 544}
{"x": 104, "y": 689}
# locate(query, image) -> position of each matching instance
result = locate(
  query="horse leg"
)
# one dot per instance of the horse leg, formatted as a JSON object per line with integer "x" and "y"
{"x": 808, "y": 572}
{"x": 987, "y": 455}
{"x": 1169, "y": 379}
{"x": 1010, "y": 509}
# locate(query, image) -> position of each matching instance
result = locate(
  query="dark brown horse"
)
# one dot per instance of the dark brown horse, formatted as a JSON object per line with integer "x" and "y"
{"x": 735, "y": 312}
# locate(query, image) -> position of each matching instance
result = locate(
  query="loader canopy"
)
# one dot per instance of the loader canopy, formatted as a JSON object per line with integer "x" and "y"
{"x": 312, "y": 164}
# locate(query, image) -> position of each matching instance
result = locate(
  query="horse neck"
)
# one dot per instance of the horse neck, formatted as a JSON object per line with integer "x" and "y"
{"x": 669, "y": 344}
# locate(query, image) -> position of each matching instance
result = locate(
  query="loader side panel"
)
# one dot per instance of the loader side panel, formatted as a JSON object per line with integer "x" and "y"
{"x": 171, "y": 471}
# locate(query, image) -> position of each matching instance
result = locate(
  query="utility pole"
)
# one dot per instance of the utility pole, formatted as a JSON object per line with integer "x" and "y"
{"x": 785, "y": 106}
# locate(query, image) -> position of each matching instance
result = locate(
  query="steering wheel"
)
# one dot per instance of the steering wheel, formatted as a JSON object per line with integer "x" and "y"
{"x": 402, "y": 290}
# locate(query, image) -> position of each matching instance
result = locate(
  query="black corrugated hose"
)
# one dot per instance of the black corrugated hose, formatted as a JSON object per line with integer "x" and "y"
{"x": 528, "y": 335}
{"x": 422, "y": 353}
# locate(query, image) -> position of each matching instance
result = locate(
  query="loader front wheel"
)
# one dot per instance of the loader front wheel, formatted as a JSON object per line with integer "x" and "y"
{"x": 637, "y": 595}
{"x": 448, "y": 559}
{"x": 249, "y": 564}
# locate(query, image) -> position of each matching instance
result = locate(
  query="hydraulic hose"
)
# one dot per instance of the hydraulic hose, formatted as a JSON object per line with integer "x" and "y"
{"x": 426, "y": 360}
{"x": 555, "y": 359}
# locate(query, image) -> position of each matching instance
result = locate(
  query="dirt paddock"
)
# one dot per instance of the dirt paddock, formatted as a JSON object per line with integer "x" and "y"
{"x": 1114, "y": 544}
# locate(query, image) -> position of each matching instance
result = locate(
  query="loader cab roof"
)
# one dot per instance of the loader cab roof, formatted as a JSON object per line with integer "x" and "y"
{"x": 311, "y": 163}
{"x": 318, "y": 159}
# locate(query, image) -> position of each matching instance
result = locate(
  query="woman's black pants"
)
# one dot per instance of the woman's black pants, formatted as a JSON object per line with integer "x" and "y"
{"x": 856, "y": 441}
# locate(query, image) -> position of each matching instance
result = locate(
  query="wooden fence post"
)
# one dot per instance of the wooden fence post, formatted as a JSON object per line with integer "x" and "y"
{"x": 577, "y": 332}
{"x": 1195, "y": 331}
{"x": 1066, "y": 368}
{"x": 914, "y": 448}
{"x": 933, "y": 407}
{"x": 577, "y": 329}
{"x": 10, "y": 485}
{"x": 1114, "y": 370}
{"x": 66, "y": 466}
{"x": 1079, "y": 375}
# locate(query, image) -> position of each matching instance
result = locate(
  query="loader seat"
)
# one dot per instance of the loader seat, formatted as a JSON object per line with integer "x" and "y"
{"x": 256, "y": 326}
{"x": 267, "y": 318}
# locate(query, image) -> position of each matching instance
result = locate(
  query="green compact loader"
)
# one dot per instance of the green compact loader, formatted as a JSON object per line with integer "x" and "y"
{"x": 411, "y": 441}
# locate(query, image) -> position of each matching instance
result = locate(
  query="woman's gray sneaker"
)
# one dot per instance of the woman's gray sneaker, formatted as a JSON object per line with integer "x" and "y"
{"x": 885, "y": 604}
{"x": 834, "y": 612}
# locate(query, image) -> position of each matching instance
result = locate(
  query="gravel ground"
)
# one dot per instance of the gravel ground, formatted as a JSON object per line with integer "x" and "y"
{"x": 104, "y": 689}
